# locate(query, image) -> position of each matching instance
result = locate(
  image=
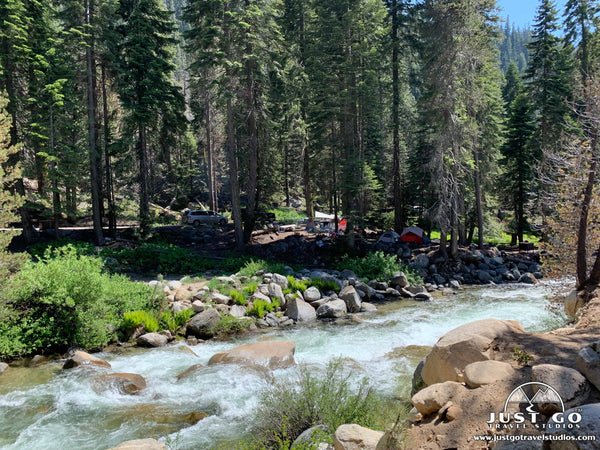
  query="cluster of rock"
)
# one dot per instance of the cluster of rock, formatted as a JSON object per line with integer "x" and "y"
{"x": 471, "y": 267}
{"x": 308, "y": 305}
{"x": 448, "y": 381}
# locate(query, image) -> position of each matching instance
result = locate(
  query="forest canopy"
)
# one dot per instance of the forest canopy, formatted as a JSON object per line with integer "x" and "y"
{"x": 389, "y": 113}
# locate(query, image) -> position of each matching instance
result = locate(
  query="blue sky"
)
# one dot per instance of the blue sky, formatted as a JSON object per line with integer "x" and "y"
{"x": 522, "y": 12}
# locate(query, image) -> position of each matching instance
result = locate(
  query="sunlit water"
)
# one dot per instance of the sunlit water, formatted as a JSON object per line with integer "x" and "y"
{"x": 49, "y": 408}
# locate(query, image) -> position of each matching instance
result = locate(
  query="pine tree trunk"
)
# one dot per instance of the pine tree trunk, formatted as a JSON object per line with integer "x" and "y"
{"x": 55, "y": 192}
{"x": 143, "y": 180}
{"x": 253, "y": 150}
{"x": 110, "y": 193}
{"x": 399, "y": 219}
{"x": 478, "y": 204}
{"x": 209, "y": 154}
{"x": 93, "y": 135}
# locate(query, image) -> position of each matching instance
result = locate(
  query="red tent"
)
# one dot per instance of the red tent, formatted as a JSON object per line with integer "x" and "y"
{"x": 413, "y": 234}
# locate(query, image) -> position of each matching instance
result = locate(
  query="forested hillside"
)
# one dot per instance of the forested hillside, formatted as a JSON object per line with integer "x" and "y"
{"x": 392, "y": 112}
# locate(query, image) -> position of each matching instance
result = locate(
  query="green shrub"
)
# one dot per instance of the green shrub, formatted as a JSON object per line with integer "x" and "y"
{"x": 297, "y": 285}
{"x": 377, "y": 266}
{"x": 174, "y": 321}
{"x": 230, "y": 325}
{"x": 324, "y": 285}
{"x": 135, "y": 319}
{"x": 333, "y": 398}
{"x": 215, "y": 284}
{"x": 250, "y": 268}
{"x": 237, "y": 297}
{"x": 67, "y": 300}
{"x": 250, "y": 289}
{"x": 261, "y": 307}
{"x": 80, "y": 248}
{"x": 154, "y": 258}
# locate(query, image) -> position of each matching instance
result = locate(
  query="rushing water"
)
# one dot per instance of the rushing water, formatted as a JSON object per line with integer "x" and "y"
{"x": 49, "y": 408}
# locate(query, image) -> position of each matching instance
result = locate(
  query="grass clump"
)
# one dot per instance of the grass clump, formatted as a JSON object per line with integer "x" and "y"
{"x": 237, "y": 297}
{"x": 231, "y": 325}
{"x": 65, "y": 300}
{"x": 325, "y": 285}
{"x": 174, "y": 321}
{"x": 252, "y": 266}
{"x": 377, "y": 266}
{"x": 297, "y": 285}
{"x": 135, "y": 319}
{"x": 261, "y": 307}
{"x": 333, "y": 398}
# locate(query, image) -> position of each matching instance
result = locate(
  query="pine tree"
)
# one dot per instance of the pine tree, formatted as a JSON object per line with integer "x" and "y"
{"x": 461, "y": 107}
{"x": 9, "y": 202}
{"x": 519, "y": 159}
{"x": 143, "y": 80}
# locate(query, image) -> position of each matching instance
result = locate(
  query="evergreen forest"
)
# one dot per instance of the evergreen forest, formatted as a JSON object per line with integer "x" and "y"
{"x": 388, "y": 113}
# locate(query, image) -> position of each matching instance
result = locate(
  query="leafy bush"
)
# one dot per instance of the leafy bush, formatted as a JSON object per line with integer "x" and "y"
{"x": 250, "y": 268}
{"x": 154, "y": 258}
{"x": 81, "y": 248}
{"x": 324, "y": 285}
{"x": 237, "y": 297}
{"x": 67, "y": 300}
{"x": 174, "y": 321}
{"x": 135, "y": 319}
{"x": 377, "y": 266}
{"x": 250, "y": 289}
{"x": 297, "y": 285}
{"x": 333, "y": 398}
{"x": 230, "y": 325}
{"x": 261, "y": 307}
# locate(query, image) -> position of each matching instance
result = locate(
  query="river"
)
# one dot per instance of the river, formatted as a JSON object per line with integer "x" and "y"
{"x": 46, "y": 407}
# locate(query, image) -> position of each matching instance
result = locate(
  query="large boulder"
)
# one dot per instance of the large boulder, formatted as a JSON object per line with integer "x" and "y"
{"x": 83, "y": 359}
{"x": 588, "y": 363}
{"x": 481, "y": 373}
{"x": 3, "y": 367}
{"x": 272, "y": 354}
{"x": 300, "y": 311}
{"x": 588, "y": 427}
{"x": 152, "y": 340}
{"x": 275, "y": 291}
{"x": 355, "y": 437}
{"x": 124, "y": 383}
{"x": 237, "y": 311}
{"x": 281, "y": 280}
{"x": 352, "y": 299}
{"x": 203, "y": 324}
{"x": 334, "y": 309}
{"x": 464, "y": 345}
{"x": 570, "y": 384}
{"x": 311, "y": 294}
{"x": 399, "y": 280}
{"x": 431, "y": 399}
{"x": 220, "y": 299}
{"x": 141, "y": 444}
